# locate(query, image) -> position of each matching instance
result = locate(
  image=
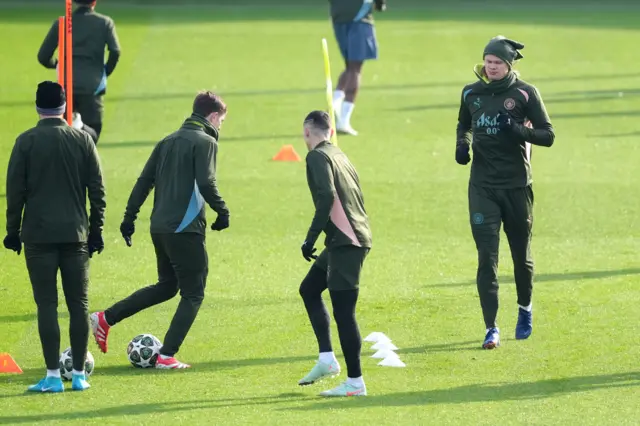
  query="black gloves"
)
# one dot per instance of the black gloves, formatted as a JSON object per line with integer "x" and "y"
{"x": 222, "y": 222}
{"x": 308, "y": 251}
{"x": 380, "y": 5}
{"x": 505, "y": 122}
{"x": 462, "y": 154}
{"x": 95, "y": 242}
{"x": 127, "y": 229}
{"x": 13, "y": 242}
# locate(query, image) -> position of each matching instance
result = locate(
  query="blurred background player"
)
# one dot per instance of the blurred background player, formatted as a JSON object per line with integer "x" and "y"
{"x": 499, "y": 110}
{"x": 339, "y": 212}
{"x": 91, "y": 33}
{"x": 182, "y": 169}
{"x": 52, "y": 167}
{"x": 355, "y": 33}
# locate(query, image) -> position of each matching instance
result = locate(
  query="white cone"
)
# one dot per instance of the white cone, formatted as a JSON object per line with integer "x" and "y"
{"x": 385, "y": 353}
{"x": 384, "y": 345}
{"x": 376, "y": 337}
{"x": 392, "y": 362}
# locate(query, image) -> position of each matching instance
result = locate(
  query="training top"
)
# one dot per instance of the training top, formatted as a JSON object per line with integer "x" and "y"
{"x": 501, "y": 159}
{"x": 91, "y": 33}
{"x": 52, "y": 169}
{"x": 343, "y": 11}
{"x": 335, "y": 190}
{"x": 182, "y": 168}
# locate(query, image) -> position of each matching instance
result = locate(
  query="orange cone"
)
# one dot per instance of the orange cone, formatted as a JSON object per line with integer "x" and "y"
{"x": 8, "y": 365}
{"x": 286, "y": 153}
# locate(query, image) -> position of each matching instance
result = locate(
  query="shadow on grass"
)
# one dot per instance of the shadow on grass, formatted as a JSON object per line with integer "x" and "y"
{"x": 617, "y": 135}
{"x": 27, "y": 317}
{"x": 486, "y": 393}
{"x": 566, "y": 276}
{"x": 223, "y": 139}
{"x": 457, "y": 395}
{"x": 155, "y": 408}
{"x": 587, "y": 96}
{"x": 618, "y": 14}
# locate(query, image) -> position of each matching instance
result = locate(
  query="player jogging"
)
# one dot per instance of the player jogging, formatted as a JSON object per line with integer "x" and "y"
{"x": 91, "y": 33}
{"x": 340, "y": 213}
{"x": 505, "y": 115}
{"x": 52, "y": 169}
{"x": 182, "y": 168}
{"x": 356, "y": 36}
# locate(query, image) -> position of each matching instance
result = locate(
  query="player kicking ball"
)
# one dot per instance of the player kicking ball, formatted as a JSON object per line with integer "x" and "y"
{"x": 340, "y": 213}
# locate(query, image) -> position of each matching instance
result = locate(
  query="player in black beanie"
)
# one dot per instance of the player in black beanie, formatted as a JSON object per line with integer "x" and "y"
{"x": 52, "y": 167}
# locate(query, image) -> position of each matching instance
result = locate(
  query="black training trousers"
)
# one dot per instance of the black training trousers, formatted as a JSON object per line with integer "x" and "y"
{"x": 43, "y": 263}
{"x": 182, "y": 266}
{"x": 488, "y": 209}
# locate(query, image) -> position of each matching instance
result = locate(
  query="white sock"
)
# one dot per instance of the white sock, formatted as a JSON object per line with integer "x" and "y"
{"x": 78, "y": 373}
{"x": 493, "y": 327}
{"x": 327, "y": 357}
{"x": 53, "y": 373}
{"x": 527, "y": 308}
{"x": 345, "y": 114}
{"x": 338, "y": 96}
{"x": 357, "y": 382}
{"x": 165, "y": 357}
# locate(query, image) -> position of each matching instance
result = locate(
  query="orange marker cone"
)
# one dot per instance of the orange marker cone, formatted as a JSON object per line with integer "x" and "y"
{"x": 8, "y": 365}
{"x": 286, "y": 153}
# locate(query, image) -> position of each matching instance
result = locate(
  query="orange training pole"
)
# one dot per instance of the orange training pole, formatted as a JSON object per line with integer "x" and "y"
{"x": 61, "y": 52}
{"x": 69, "y": 52}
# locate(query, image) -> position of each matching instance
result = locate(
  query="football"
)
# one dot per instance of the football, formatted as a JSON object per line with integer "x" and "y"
{"x": 143, "y": 351}
{"x": 66, "y": 364}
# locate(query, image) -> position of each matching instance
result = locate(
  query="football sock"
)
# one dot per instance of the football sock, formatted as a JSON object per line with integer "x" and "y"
{"x": 527, "y": 308}
{"x": 327, "y": 357}
{"x": 355, "y": 381}
{"x": 345, "y": 113}
{"x": 53, "y": 373}
{"x": 344, "y": 312}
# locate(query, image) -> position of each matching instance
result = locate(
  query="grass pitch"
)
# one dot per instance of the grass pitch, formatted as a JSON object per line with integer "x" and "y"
{"x": 251, "y": 341}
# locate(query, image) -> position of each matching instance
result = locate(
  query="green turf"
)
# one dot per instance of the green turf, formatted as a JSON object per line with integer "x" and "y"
{"x": 251, "y": 341}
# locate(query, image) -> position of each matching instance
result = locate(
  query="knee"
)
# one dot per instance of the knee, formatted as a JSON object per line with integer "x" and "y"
{"x": 195, "y": 295}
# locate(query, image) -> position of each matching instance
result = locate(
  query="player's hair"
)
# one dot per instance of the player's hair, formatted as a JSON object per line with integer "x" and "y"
{"x": 207, "y": 102}
{"x": 319, "y": 120}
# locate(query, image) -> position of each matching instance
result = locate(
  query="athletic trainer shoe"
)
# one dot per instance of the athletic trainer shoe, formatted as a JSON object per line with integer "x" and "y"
{"x": 320, "y": 371}
{"x": 170, "y": 363}
{"x": 346, "y": 389}
{"x": 346, "y": 129}
{"x": 100, "y": 330}
{"x": 525, "y": 324}
{"x": 79, "y": 382}
{"x": 492, "y": 339}
{"x": 48, "y": 384}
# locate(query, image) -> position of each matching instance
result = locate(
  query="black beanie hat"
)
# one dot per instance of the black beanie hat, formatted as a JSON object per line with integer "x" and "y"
{"x": 505, "y": 49}
{"x": 50, "y": 98}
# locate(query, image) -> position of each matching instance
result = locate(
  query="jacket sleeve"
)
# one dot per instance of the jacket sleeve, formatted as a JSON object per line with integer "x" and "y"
{"x": 205, "y": 170}
{"x": 463, "y": 130}
{"x": 16, "y": 188}
{"x": 113, "y": 45}
{"x": 48, "y": 48}
{"x": 95, "y": 189}
{"x": 320, "y": 176}
{"x": 542, "y": 132}
{"x": 143, "y": 186}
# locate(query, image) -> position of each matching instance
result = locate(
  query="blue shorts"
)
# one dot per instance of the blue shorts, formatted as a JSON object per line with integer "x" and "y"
{"x": 357, "y": 41}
